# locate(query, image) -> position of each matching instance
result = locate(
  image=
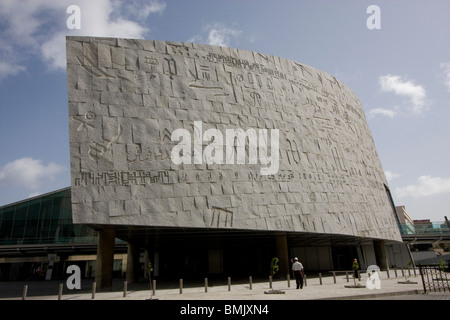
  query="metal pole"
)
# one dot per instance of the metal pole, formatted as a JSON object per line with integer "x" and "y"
{"x": 229, "y": 283}
{"x": 125, "y": 284}
{"x": 181, "y": 286}
{"x": 270, "y": 282}
{"x": 94, "y": 288}
{"x": 289, "y": 280}
{"x": 25, "y": 291}
{"x": 250, "y": 280}
{"x": 334, "y": 276}
{"x": 60, "y": 291}
{"x": 320, "y": 278}
{"x": 423, "y": 280}
{"x": 154, "y": 287}
{"x": 206, "y": 284}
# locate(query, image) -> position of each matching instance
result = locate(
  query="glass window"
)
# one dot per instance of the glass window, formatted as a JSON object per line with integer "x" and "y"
{"x": 7, "y": 223}
{"x": 19, "y": 222}
{"x": 32, "y": 222}
{"x": 45, "y": 219}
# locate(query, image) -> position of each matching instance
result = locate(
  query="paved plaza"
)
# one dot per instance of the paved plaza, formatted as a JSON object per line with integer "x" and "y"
{"x": 328, "y": 287}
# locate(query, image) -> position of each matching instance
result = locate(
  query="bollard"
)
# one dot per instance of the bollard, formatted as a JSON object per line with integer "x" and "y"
{"x": 25, "y": 291}
{"x": 320, "y": 278}
{"x": 359, "y": 275}
{"x": 403, "y": 272}
{"x": 387, "y": 272}
{"x": 229, "y": 283}
{"x": 289, "y": 280}
{"x": 346, "y": 275}
{"x": 94, "y": 287}
{"x": 305, "y": 280}
{"x": 414, "y": 268}
{"x": 395, "y": 272}
{"x": 334, "y": 276}
{"x": 409, "y": 271}
{"x": 60, "y": 291}
{"x": 125, "y": 284}
{"x": 206, "y": 284}
{"x": 154, "y": 287}
{"x": 181, "y": 286}
{"x": 270, "y": 282}
{"x": 250, "y": 280}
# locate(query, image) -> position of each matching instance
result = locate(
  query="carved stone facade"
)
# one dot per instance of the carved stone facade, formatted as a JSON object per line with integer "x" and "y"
{"x": 127, "y": 97}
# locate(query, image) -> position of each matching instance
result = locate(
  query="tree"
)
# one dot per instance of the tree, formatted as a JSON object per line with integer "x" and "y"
{"x": 274, "y": 268}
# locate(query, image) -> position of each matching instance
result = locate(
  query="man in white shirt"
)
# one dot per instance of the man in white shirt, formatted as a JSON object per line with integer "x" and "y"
{"x": 299, "y": 273}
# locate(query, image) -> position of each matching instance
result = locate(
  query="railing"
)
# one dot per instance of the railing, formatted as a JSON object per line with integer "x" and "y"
{"x": 435, "y": 278}
{"x": 432, "y": 228}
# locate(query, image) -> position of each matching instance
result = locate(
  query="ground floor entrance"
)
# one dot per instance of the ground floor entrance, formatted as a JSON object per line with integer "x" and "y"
{"x": 194, "y": 254}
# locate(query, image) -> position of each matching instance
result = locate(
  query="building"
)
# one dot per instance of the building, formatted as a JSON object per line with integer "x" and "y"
{"x": 39, "y": 233}
{"x": 210, "y": 161}
{"x": 406, "y": 222}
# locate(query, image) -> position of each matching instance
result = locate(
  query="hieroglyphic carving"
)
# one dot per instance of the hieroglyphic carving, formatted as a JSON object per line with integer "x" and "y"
{"x": 98, "y": 149}
{"x": 170, "y": 67}
{"x": 122, "y": 178}
{"x": 328, "y": 161}
{"x": 95, "y": 70}
{"x": 89, "y": 116}
{"x": 221, "y": 217}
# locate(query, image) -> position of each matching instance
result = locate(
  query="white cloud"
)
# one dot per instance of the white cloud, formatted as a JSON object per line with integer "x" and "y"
{"x": 426, "y": 186}
{"x": 54, "y": 52}
{"x": 98, "y": 18}
{"x": 28, "y": 173}
{"x": 221, "y": 36}
{"x": 446, "y": 68}
{"x": 38, "y": 27}
{"x": 142, "y": 9}
{"x": 383, "y": 112}
{"x": 400, "y": 86}
{"x": 217, "y": 35}
{"x": 23, "y": 19}
{"x": 391, "y": 175}
{"x": 9, "y": 68}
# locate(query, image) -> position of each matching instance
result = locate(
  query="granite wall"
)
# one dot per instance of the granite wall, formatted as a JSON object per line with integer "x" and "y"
{"x": 129, "y": 98}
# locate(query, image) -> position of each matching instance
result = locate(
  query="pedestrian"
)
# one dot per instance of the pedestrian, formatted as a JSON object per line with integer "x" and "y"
{"x": 299, "y": 273}
{"x": 355, "y": 268}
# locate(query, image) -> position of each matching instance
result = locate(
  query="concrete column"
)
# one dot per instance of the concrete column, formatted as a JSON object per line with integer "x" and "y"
{"x": 380, "y": 254}
{"x": 283, "y": 254}
{"x": 132, "y": 263}
{"x": 105, "y": 258}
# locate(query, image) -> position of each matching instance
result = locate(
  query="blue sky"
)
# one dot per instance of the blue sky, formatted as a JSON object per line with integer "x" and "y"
{"x": 400, "y": 72}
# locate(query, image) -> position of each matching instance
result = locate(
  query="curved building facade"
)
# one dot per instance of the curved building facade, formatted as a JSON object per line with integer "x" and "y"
{"x": 183, "y": 136}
